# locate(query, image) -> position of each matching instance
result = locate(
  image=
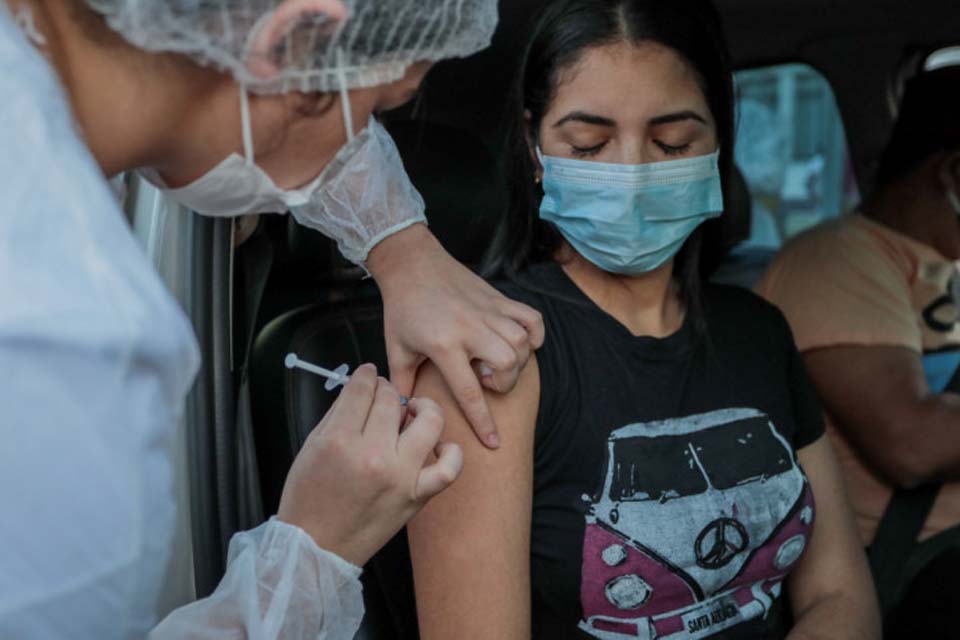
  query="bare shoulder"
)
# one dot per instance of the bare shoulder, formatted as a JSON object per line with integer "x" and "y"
{"x": 514, "y": 412}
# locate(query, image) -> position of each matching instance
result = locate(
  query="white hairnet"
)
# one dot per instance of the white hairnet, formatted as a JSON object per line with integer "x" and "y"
{"x": 375, "y": 45}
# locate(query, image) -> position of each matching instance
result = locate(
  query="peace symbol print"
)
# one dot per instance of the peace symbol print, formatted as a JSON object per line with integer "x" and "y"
{"x": 719, "y": 542}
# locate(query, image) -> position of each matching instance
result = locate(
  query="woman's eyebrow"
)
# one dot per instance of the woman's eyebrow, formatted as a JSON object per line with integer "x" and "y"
{"x": 679, "y": 116}
{"x": 588, "y": 118}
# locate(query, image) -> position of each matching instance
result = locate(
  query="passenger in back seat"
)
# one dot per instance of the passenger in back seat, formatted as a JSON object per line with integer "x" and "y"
{"x": 664, "y": 457}
{"x": 873, "y": 302}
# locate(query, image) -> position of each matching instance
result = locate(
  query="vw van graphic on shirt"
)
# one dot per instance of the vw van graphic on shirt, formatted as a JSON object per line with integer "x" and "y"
{"x": 698, "y": 521}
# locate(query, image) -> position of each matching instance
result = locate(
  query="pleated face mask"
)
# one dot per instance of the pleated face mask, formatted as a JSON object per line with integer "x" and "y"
{"x": 238, "y": 186}
{"x": 630, "y": 219}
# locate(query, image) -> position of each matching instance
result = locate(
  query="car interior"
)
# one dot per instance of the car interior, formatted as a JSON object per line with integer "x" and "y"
{"x": 286, "y": 288}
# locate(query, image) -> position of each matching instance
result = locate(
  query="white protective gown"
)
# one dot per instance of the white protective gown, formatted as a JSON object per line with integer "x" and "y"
{"x": 96, "y": 359}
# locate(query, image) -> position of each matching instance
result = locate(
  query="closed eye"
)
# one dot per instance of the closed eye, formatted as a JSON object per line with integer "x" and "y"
{"x": 586, "y": 152}
{"x": 671, "y": 150}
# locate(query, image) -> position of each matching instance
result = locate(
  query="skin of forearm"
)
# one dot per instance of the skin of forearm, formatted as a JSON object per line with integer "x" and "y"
{"x": 387, "y": 257}
{"x": 834, "y": 618}
{"x": 929, "y": 448}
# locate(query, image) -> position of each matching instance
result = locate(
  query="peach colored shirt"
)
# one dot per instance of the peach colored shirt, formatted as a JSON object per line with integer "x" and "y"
{"x": 853, "y": 281}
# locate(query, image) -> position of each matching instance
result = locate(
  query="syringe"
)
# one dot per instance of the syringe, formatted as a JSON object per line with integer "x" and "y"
{"x": 335, "y": 378}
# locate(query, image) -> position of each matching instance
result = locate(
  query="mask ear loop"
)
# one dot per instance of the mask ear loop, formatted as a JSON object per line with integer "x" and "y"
{"x": 24, "y": 19}
{"x": 246, "y": 126}
{"x": 954, "y": 200}
{"x": 344, "y": 94}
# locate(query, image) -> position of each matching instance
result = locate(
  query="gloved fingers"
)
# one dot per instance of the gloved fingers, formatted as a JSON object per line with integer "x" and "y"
{"x": 349, "y": 413}
{"x": 503, "y": 380}
{"x": 403, "y": 368}
{"x": 383, "y": 423}
{"x": 460, "y": 377}
{"x": 423, "y": 431}
{"x": 528, "y": 317}
{"x": 490, "y": 348}
{"x": 439, "y": 475}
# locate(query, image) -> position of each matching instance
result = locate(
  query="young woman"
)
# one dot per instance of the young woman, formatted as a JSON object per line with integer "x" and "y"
{"x": 664, "y": 472}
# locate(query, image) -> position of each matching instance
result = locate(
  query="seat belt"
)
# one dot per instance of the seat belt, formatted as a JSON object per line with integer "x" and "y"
{"x": 896, "y": 539}
{"x": 256, "y": 257}
{"x": 896, "y": 536}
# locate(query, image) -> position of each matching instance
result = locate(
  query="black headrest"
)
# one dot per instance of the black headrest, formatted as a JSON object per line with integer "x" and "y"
{"x": 458, "y": 177}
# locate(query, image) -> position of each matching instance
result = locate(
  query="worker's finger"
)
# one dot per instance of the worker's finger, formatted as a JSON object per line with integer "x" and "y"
{"x": 383, "y": 423}
{"x": 513, "y": 333}
{"x": 503, "y": 380}
{"x": 439, "y": 475}
{"x": 463, "y": 383}
{"x": 403, "y": 368}
{"x": 422, "y": 433}
{"x": 530, "y": 318}
{"x": 351, "y": 409}
{"x": 487, "y": 346}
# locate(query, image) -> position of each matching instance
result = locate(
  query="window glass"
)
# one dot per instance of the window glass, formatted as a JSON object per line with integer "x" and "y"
{"x": 792, "y": 150}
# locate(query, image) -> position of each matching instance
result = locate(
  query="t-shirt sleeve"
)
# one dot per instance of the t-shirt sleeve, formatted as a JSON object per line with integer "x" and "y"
{"x": 843, "y": 286}
{"x": 807, "y": 408}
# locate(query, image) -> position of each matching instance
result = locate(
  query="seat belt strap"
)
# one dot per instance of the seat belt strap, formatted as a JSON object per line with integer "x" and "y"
{"x": 896, "y": 536}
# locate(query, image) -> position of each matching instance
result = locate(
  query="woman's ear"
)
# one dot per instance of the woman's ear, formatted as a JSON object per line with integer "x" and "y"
{"x": 532, "y": 146}
{"x": 269, "y": 32}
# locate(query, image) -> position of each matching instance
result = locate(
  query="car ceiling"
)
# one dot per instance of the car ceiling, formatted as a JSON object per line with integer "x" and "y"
{"x": 861, "y": 46}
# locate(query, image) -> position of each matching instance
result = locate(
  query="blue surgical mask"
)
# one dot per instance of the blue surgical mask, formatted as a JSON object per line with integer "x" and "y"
{"x": 630, "y": 218}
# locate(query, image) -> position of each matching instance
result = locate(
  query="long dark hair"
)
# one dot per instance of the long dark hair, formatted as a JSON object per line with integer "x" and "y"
{"x": 561, "y": 35}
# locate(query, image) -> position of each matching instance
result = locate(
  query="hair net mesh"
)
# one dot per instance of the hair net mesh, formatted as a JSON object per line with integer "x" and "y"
{"x": 375, "y": 45}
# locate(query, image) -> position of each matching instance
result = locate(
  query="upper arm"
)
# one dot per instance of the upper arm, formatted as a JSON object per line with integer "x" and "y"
{"x": 470, "y": 545}
{"x": 834, "y": 563}
{"x": 843, "y": 288}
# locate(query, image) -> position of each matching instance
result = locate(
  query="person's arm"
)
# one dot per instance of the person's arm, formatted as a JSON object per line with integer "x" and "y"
{"x": 471, "y": 546}
{"x": 436, "y": 309}
{"x": 831, "y": 591}
{"x": 880, "y": 398}
{"x": 355, "y": 483}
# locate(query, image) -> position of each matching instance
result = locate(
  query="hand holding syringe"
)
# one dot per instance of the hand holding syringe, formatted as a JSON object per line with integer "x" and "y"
{"x": 335, "y": 378}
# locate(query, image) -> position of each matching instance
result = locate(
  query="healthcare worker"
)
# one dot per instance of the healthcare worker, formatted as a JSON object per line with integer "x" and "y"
{"x": 233, "y": 107}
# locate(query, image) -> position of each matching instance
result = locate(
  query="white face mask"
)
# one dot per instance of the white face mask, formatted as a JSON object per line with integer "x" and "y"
{"x": 361, "y": 196}
{"x": 237, "y": 186}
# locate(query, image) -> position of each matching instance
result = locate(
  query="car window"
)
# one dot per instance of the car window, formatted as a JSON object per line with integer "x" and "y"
{"x": 792, "y": 150}
{"x": 637, "y": 478}
{"x": 759, "y": 454}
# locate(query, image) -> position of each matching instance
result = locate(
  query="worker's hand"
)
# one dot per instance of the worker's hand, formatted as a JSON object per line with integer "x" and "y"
{"x": 358, "y": 479}
{"x": 437, "y": 309}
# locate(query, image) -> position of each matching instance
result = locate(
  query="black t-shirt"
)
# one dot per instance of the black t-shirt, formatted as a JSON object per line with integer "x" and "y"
{"x": 668, "y": 501}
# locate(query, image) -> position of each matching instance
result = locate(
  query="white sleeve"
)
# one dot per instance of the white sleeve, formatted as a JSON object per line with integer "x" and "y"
{"x": 278, "y": 584}
{"x": 366, "y": 195}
